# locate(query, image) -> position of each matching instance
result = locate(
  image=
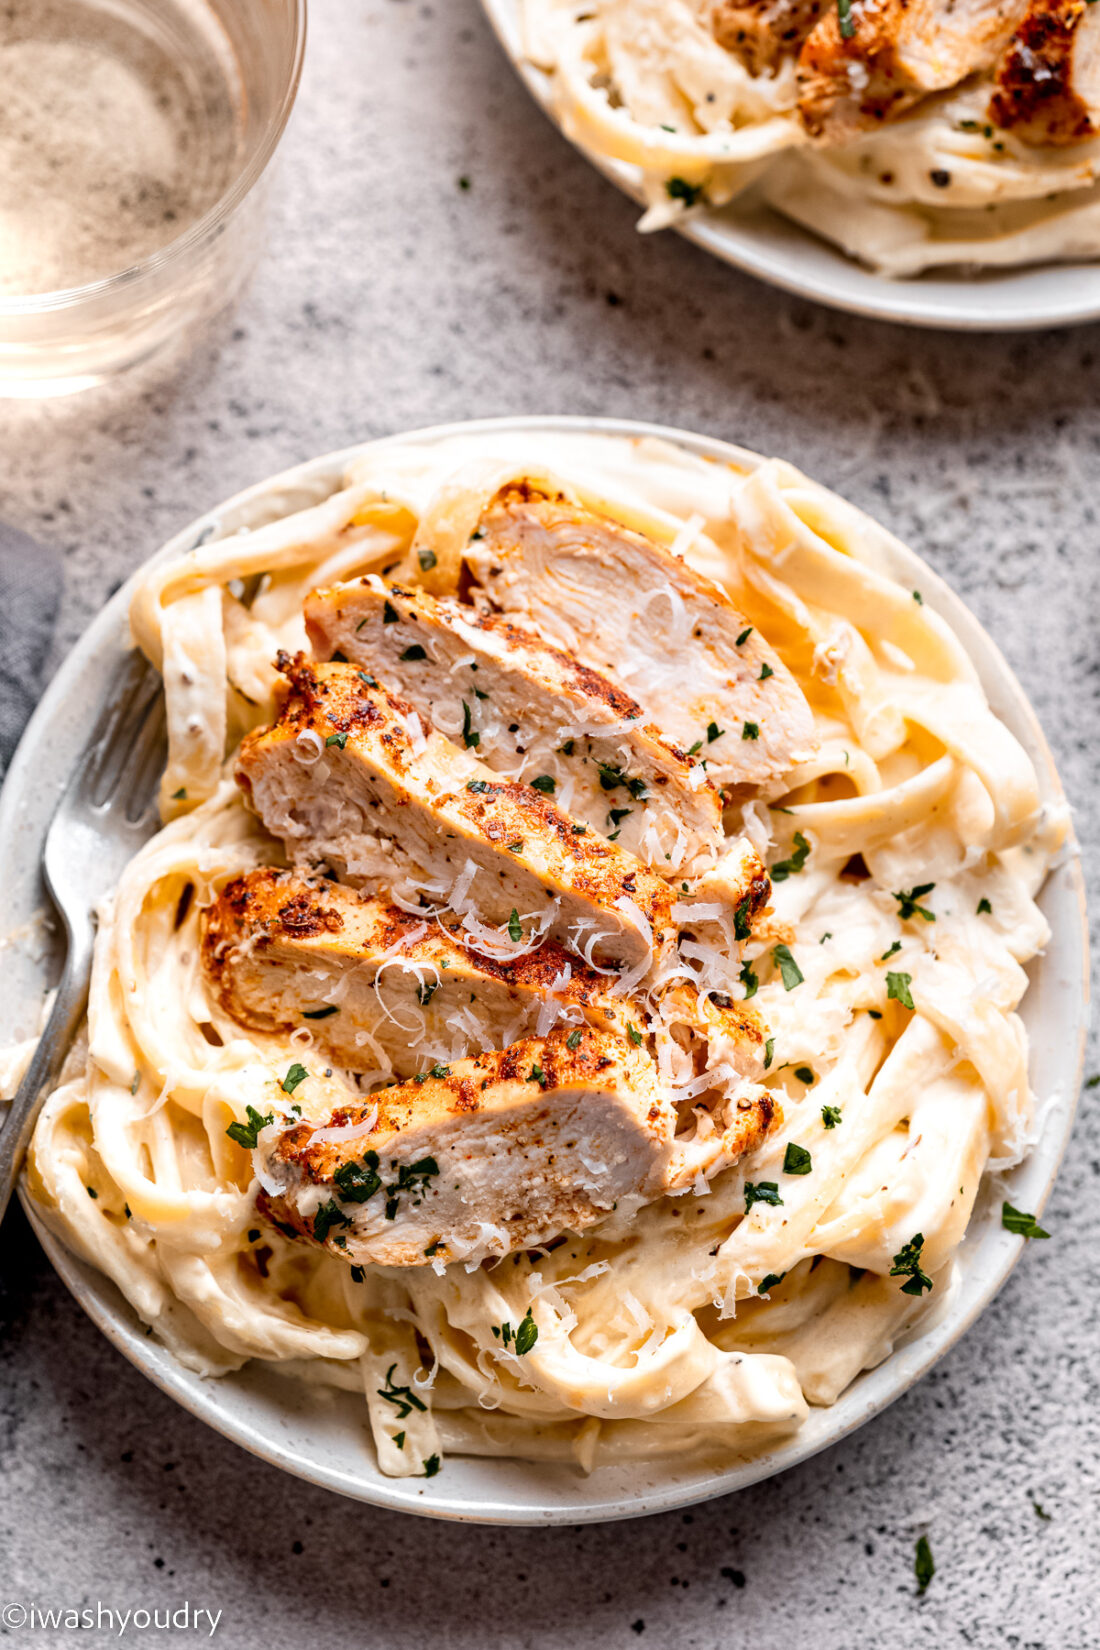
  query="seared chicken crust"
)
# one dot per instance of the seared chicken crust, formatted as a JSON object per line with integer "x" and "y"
{"x": 1048, "y": 82}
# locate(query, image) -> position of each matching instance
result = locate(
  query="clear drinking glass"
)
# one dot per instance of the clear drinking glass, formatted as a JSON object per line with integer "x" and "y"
{"x": 134, "y": 137}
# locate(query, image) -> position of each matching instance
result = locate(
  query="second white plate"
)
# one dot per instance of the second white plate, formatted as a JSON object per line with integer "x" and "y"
{"x": 763, "y": 243}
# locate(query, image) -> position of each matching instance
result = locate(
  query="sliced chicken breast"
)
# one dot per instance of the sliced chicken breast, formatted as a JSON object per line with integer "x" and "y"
{"x": 493, "y": 1154}
{"x": 1048, "y": 81}
{"x": 530, "y": 711}
{"x": 376, "y": 986}
{"x": 351, "y": 777}
{"x": 762, "y": 32}
{"x": 894, "y": 53}
{"x": 671, "y": 637}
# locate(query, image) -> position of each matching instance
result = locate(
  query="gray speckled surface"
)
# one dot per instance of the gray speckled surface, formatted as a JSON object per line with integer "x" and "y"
{"x": 390, "y": 298}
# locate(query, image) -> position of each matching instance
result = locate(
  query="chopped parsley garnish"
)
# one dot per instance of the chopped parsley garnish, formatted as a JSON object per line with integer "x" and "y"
{"x": 433, "y": 1463}
{"x": 412, "y": 653}
{"x": 917, "y": 597}
{"x": 874, "y": 1014}
{"x": 328, "y": 1215}
{"x": 893, "y": 951}
{"x": 515, "y": 927}
{"x": 796, "y": 1159}
{"x": 135, "y": 1082}
{"x": 537, "y": 1075}
{"x": 908, "y": 905}
{"x": 358, "y": 1275}
{"x": 748, "y": 980}
{"x": 763, "y": 1191}
{"x": 425, "y": 992}
{"x": 573, "y": 1041}
{"x": 364, "y": 677}
{"x": 180, "y": 795}
{"x": 320, "y": 1013}
{"x": 907, "y": 1265}
{"x": 403, "y": 1398}
{"x": 742, "y": 927}
{"x": 832, "y": 1116}
{"x": 92, "y": 1193}
{"x": 923, "y": 1567}
{"x": 897, "y": 988}
{"x": 769, "y": 1050}
{"x": 389, "y": 613}
{"x": 804, "y": 1074}
{"x": 1024, "y": 1225}
{"x": 744, "y": 636}
{"x": 984, "y": 908}
{"x": 526, "y": 1335}
{"x": 634, "y": 1034}
{"x": 337, "y": 739}
{"x": 714, "y": 732}
{"x": 516, "y": 846}
{"x": 245, "y": 1133}
{"x": 791, "y": 867}
{"x": 789, "y": 970}
{"x": 679, "y": 189}
{"x": 469, "y": 738}
{"x": 477, "y": 691}
{"x": 580, "y": 830}
{"x": 399, "y": 1439}
{"x": 427, "y": 560}
{"x": 297, "y": 1074}
{"x": 765, "y": 671}
{"x": 696, "y": 748}
{"x": 478, "y": 785}
{"x": 617, "y": 815}
{"x": 437, "y": 1071}
{"x": 568, "y": 748}
{"x": 359, "y": 1181}
{"x": 611, "y": 777}
{"x": 750, "y": 731}
{"x": 544, "y": 782}
{"x": 411, "y": 1177}
{"x": 772, "y": 1281}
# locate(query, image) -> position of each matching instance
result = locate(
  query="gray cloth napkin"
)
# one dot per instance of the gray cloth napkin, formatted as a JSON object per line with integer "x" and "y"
{"x": 30, "y": 593}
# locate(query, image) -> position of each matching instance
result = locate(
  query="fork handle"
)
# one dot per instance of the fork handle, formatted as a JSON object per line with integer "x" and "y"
{"x": 46, "y": 1063}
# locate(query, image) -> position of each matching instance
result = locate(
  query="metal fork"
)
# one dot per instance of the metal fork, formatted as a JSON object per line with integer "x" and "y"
{"x": 103, "y": 817}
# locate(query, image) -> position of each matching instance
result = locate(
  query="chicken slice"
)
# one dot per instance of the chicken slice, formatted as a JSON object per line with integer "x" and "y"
{"x": 761, "y": 32}
{"x": 897, "y": 52}
{"x": 376, "y": 985}
{"x": 630, "y": 608}
{"x": 1048, "y": 81}
{"x": 530, "y": 710}
{"x": 349, "y": 775}
{"x": 493, "y": 1154}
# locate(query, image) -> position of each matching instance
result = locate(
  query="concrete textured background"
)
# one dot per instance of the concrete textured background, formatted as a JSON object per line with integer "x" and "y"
{"x": 390, "y": 297}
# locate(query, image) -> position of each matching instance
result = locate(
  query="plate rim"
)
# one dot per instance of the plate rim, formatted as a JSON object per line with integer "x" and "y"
{"x": 105, "y": 1305}
{"x": 715, "y": 234}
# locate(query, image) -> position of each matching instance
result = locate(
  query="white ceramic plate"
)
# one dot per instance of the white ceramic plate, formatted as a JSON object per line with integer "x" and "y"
{"x": 752, "y": 237}
{"x": 323, "y": 1436}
